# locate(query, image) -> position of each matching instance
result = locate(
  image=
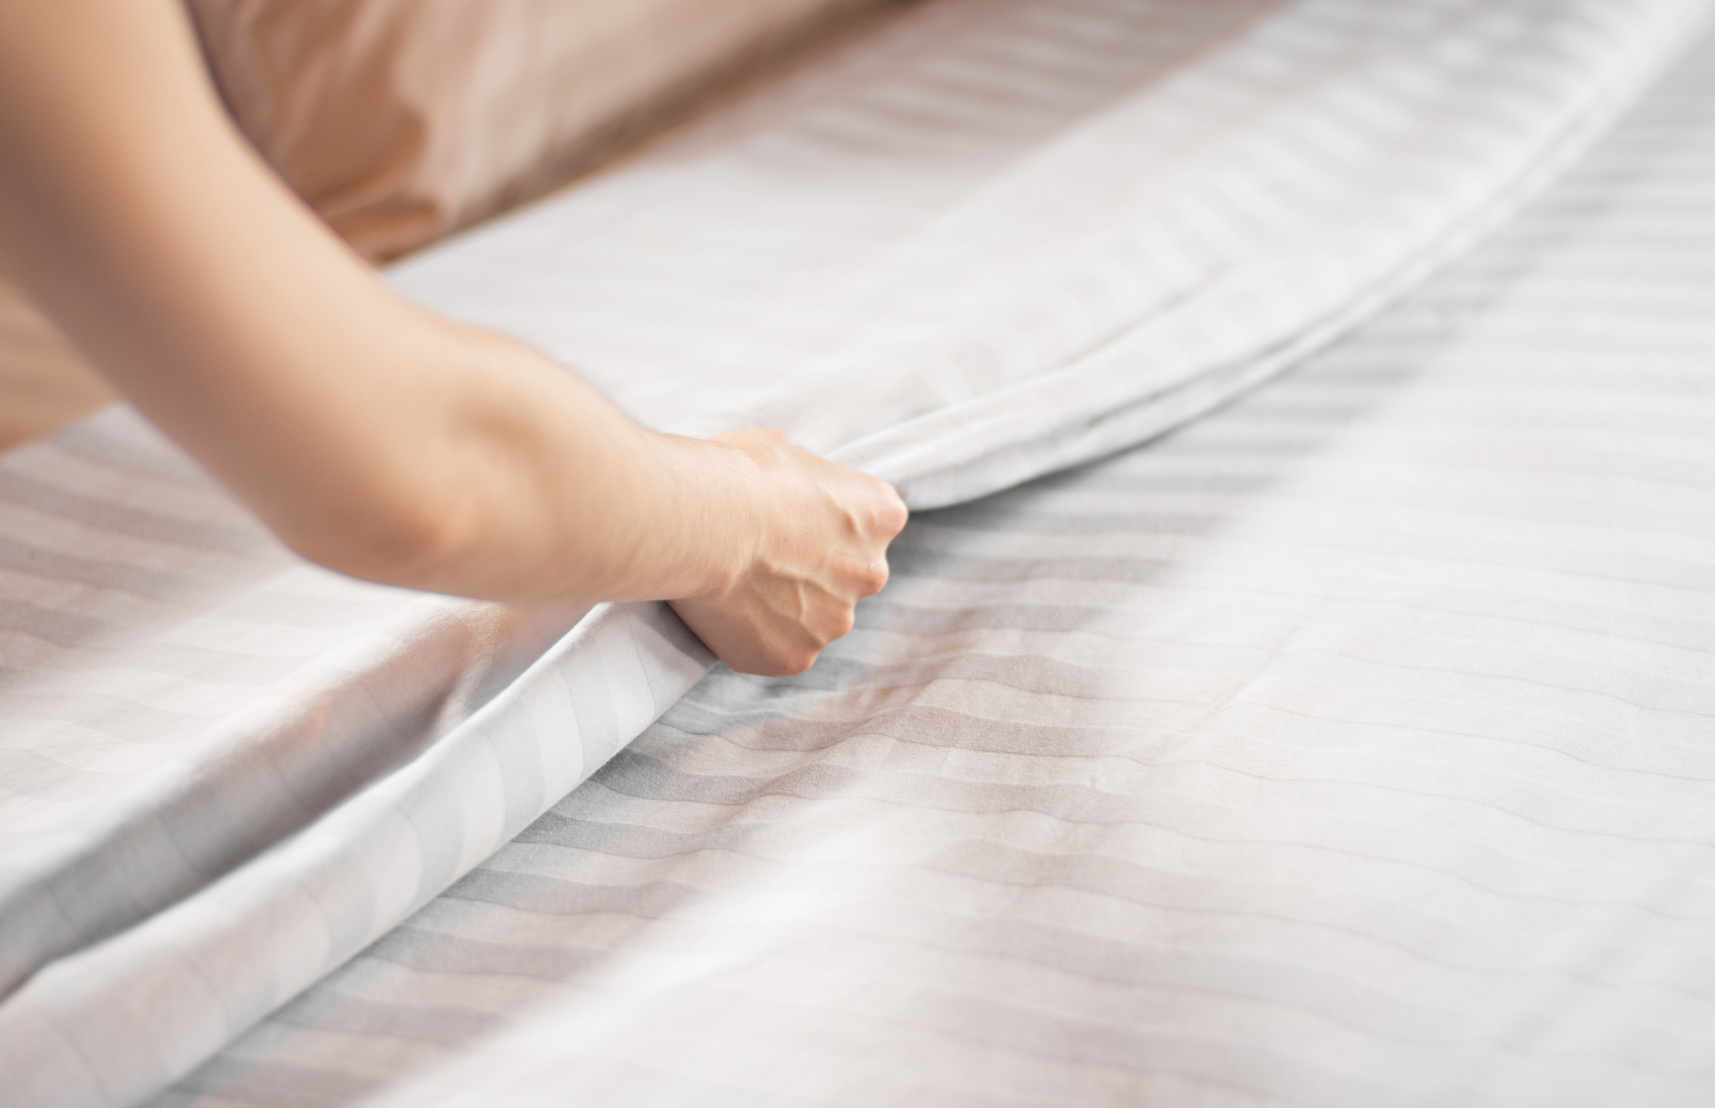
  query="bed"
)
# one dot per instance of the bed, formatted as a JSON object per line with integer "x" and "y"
{"x": 1345, "y": 743}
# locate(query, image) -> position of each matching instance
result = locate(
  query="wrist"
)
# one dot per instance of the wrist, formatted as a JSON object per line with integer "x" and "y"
{"x": 720, "y": 510}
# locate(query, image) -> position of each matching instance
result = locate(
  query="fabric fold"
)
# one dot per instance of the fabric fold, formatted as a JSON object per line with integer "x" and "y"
{"x": 995, "y": 240}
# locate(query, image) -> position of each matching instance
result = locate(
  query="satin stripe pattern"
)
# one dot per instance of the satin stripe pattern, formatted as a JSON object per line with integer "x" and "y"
{"x": 1354, "y": 746}
{"x": 997, "y": 239}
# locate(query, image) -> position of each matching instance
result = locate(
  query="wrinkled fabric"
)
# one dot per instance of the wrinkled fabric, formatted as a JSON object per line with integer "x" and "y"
{"x": 993, "y": 240}
{"x": 1350, "y": 747}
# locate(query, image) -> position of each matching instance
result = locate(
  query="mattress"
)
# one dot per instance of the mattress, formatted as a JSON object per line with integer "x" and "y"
{"x": 1186, "y": 774}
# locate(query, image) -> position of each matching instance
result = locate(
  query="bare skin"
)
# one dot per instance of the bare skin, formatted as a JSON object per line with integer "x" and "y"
{"x": 371, "y": 436}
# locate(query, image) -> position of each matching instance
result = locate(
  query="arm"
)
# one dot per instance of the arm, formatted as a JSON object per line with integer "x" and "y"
{"x": 371, "y": 436}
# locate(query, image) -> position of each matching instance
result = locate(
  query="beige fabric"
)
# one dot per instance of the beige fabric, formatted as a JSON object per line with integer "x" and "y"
{"x": 400, "y": 120}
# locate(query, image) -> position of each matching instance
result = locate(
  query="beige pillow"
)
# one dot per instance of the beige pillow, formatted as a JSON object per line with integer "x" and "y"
{"x": 400, "y": 120}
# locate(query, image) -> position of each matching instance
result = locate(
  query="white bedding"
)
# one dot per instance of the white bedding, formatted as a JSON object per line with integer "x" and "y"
{"x": 1004, "y": 238}
{"x": 1354, "y": 746}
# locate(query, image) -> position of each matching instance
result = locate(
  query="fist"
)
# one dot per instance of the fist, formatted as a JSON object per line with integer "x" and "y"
{"x": 819, "y": 546}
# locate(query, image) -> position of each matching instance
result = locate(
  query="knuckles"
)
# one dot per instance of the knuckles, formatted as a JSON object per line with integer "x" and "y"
{"x": 892, "y": 518}
{"x": 888, "y": 514}
{"x": 849, "y": 518}
{"x": 789, "y": 660}
{"x": 873, "y": 578}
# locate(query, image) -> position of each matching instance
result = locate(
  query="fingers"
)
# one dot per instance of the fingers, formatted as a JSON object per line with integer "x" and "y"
{"x": 777, "y": 628}
{"x": 823, "y": 547}
{"x": 746, "y": 644}
{"x": 891, "y": 513}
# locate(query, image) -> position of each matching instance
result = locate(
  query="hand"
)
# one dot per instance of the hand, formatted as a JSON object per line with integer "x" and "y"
{"x": 819, "y": 546}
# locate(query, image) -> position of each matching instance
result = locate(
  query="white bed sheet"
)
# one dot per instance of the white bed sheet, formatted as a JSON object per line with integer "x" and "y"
{"x": 1003, "y": 238}
{"x": 1354, "y": 746}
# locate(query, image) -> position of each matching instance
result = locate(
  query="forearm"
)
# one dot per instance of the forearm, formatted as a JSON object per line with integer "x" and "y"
{"x": 370, "y": 436}
{"x": 538, "y": 487}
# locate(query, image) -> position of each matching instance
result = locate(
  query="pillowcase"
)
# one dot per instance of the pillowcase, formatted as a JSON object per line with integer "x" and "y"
{"x": 402, "y": 120}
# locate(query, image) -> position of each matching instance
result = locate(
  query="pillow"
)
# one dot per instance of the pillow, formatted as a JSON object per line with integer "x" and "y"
{"x": 401, "y": 120}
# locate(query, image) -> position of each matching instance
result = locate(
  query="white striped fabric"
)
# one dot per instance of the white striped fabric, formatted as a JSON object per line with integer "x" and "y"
{"x": 1002, "y": 238}
{"x": 1353, "y": 747}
